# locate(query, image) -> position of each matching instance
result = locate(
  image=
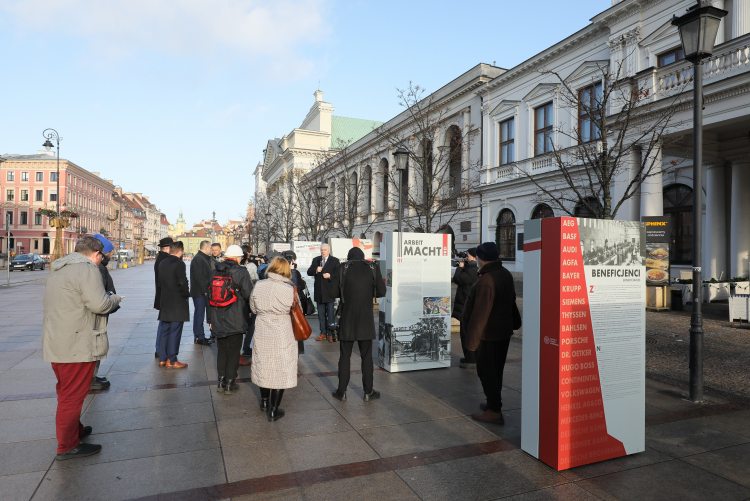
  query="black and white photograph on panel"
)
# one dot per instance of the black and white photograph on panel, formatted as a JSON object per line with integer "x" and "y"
{"x": 426, "y": 340}
{"x": 612, "y": 243}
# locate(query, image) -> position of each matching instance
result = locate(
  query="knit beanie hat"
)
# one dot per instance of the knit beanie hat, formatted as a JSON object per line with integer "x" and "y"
{"x": 488, "y": 252}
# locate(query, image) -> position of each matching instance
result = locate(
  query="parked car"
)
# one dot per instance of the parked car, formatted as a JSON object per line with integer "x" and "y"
{"x": 25, "y": 262}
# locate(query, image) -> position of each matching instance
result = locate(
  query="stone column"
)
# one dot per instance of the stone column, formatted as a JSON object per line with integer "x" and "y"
{"x": 740, "y": 18}
{"x": 714, "y": 231}
{"x": 652, "y": 195}
{"x": 719, "y": 4}
{"x": 739, "y": 232}
{"x": 465, "y": 147}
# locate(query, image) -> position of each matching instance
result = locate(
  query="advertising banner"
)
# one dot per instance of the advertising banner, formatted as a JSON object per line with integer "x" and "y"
{"x": 306, "y": 252}
{"x": 340, "y": 247}
{"x": 658, "y": 236}
{"x": 414, "y": 319}
{"x": 583, "y": 398}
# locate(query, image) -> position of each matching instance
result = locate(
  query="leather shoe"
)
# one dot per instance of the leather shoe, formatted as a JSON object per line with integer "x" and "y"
{"x": 98, "y": 384}
{"x": 232, "y": 386}
{"x": 483, "y": 406}
{"x": 79, "y": 451}
{"x": 176, "y": 365}
{"x": 86, "y": 432}
{"x": 373, "y": 395}
{"x": 203, "y": 341}
{"x": 339, "y": 396}
{"x": 222, "y": 385}
{"x": 162, "y": 364}
{"x": 322, "y": 337}
{"x": 467, "y": 365}
{"x": 244, "y": 361}
{"x": 489, "y": 416}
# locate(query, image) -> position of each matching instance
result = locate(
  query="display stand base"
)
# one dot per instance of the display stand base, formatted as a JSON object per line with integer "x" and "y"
{"x": 658, "y": 298}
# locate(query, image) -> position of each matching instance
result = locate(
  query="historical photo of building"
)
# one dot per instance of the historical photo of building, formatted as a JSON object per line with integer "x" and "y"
{"x": 615, "y": 243}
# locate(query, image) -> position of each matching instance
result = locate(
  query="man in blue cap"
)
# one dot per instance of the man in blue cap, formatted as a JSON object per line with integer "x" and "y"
{"x": 488, "y": 316}
{"x": 101, "y": 383}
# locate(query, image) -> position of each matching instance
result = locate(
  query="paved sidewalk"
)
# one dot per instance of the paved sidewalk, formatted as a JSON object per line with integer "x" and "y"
{"x": 169, "y": 435}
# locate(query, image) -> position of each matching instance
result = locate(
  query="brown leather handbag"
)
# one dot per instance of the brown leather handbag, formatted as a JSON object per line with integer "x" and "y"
{"x": 300, "y": 327}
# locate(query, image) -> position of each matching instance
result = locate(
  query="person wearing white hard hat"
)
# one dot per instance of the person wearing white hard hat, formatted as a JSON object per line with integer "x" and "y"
{"x": 228, "y": 309}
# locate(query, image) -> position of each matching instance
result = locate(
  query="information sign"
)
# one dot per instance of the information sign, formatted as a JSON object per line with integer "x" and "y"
{"x": 583, "y": 398}
{"x": 658, "y": 236}
{"x": 414, "y": 318}
{"x": 340, "y": 247}
{"x": 306, "y": 252}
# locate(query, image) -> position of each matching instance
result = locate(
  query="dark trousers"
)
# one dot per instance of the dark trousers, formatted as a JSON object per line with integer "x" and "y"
{"x": 199, "y": 314}
{"x": 158, "y": 336}
{"x": 491, "y": 357}
{"x": 73, "y": 384}
{"x": 169, "y": 343}
{"x": 325, "y": 317}
{"x": 249, "y": 336}
{"x": 228, "y": 356}
{"x": 470, "y": 356}
{"x": 345, "y": 355}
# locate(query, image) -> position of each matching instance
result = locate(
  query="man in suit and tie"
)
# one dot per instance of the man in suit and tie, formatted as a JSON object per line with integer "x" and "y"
{"x": 322, "y": 269}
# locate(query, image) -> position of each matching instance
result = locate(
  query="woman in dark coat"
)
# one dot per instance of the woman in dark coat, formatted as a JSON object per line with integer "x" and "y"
{"x": 229, "y": 323}
{"x": 465, "y": 277}
{"x": 174, "y": 309}
{"x": 361, "y": 285}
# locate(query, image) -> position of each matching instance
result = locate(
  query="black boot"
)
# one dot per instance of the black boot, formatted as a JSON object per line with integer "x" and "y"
{"x": 274, "y": 413}
{"x": 264, "y": 394}
{"x": 222, "y": 384}
{"x": 232, "y": 386}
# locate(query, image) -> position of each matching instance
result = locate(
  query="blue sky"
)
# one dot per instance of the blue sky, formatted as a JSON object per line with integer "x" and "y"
{"x": 176, "y": 99}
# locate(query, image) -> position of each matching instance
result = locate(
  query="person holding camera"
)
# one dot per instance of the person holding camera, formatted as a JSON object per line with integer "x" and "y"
{"x": 356, "y": 282}
{"x": 465, "y": 277}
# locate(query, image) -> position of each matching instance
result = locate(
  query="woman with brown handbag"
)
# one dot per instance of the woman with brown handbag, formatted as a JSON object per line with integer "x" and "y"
{"x": 274, "y": 367}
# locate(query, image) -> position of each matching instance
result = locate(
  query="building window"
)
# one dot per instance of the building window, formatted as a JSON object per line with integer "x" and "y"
{"x": 37, "y": 218}
{"x": 24, "y": 217}
{"x": 36, "y": 244}
{"x": 589, "y": 106}
{"x": 10, "y": 195}
{"x": 671, "y": 56}
{"x": 39, "y": 196}
{"x": 543, "y": 129}
{"x": 678, "y": 207}
{"x": 53, "y": 196}
{"x": 24, "y": 195}
{"x": 541, "y": 211}
{"x": 53, "y": 176}
{"x": 505, "y": 235}
{"x": 507, "y": 142}
{"x": 9, "y": 217}
{"x": 40, "y": 176}
{"x": 25, "y": 176}
{"x": 10, "y": 176}
{"x": 590, "y": 209}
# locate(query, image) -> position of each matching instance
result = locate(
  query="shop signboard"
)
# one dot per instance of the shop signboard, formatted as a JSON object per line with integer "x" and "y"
{"x": 340, "y": 247}
{"x": 583, "y": 374}
{"x": 658, "y": 236}
{"x": 414, "y": 329}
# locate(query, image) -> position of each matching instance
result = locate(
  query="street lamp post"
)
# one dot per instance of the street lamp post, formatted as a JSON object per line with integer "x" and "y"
{"x": 322, "y": 190}
{"x": 698, "y": 29}
{"x": 268, "y": 233}
{"x": 7, "y": 244}
{"x": 53, "y": 134}
{"x": 402, "y": 155}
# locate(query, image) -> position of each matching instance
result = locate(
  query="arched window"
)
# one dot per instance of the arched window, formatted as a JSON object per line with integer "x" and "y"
{"x": 678, "y": 206}
{"x": 367, "y": 184}
{"x": 590, "y": 210}
{"x": 353, "y": 195}
{"x": 505, "y": 235}
{"x": 384, "y": 174}
{"x": 541, "y": 211}
{"x": 454, "y": 159}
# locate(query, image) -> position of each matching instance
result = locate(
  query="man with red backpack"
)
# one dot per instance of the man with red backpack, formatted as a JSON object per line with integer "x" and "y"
{"x": 228, "y": 294}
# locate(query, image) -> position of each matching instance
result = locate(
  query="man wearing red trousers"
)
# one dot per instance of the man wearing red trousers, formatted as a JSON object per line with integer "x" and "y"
{"x": 74, "y": 337}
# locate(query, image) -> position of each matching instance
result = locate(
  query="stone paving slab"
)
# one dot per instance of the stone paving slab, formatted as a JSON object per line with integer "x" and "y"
{"x": 170, "y": 435}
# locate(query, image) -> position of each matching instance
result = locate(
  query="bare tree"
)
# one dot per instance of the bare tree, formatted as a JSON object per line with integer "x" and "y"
{"x": 619, "y": 130}
{"x": 283, "y": 206}
{"x": 443, "y": 178}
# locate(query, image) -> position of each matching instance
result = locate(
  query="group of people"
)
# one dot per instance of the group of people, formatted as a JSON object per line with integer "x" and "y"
{"x": 241, "y": 295}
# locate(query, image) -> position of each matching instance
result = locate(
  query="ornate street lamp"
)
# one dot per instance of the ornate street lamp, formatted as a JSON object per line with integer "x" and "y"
{"x": 698, "y": 29}
{"x": 402, "y": 156}
{"x": 322, "y": 189}
{"x": 58, "y": 225}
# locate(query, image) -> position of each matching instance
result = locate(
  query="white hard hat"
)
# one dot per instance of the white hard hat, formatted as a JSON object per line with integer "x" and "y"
{"x": 234, "y": 251}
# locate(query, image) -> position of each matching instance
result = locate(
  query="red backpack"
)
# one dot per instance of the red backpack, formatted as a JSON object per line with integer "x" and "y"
{"x": 221, "y": 291}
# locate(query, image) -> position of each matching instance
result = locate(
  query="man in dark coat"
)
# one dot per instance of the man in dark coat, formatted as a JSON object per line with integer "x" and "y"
{"x": 201, "y": 268}
{"x": 164, "y": 244}
{"x": 361, "y": 285}
{"x": 174, "y": 309}
{"x": 465, "y": 277}
{"x": 229, "y": 323}
{"x": 322, "y": 269}
{"x": 488, "y": 315}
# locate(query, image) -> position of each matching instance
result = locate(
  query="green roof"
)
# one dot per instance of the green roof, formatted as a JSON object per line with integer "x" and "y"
{"x": 349, "y": 130}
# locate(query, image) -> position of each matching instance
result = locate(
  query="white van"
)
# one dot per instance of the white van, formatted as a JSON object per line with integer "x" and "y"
{"x": 125, "y": 254}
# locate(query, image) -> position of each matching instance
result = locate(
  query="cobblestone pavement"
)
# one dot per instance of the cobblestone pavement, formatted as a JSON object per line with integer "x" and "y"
{"x": 167, "y": 435}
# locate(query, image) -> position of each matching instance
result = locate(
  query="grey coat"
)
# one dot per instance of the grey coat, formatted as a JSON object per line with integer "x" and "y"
{"x": 74, "y": 328}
